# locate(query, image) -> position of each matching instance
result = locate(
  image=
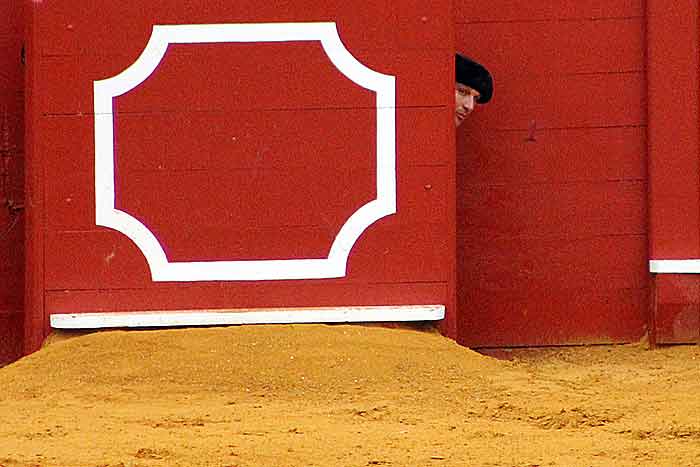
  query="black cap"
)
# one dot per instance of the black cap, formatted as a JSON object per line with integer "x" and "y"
{"x": 474, "y": 75}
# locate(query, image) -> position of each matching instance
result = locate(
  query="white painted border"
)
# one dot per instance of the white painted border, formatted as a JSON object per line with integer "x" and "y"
{"x": 674, "y": 266}
{"x": 147, "y": 319}
{"x": 162, "y": 269}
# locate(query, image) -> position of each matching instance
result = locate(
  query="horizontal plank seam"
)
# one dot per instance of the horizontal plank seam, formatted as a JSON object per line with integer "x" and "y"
{"x": 591, "y": 291}
{"x": 510, "y": 184}
{"x": 573, "y": 127}
{"x": 224, "y": 112}
{"x": 552, "y": 20}
{"x": 608, "y": 72}
{"x": 268, "y": 227}
{"x": 356, "y": 50}
{"x": 562, "y": 238}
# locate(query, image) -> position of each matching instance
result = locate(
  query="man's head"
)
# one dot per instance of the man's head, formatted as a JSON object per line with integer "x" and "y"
{"x": 473, "y": 85}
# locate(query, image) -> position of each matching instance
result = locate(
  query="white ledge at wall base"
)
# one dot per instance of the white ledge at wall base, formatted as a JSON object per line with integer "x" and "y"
{"x": 148, "y": 319}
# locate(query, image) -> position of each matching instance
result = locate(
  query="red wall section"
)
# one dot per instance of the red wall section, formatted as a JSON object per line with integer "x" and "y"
{"x": 674, "y": 148}
{"x": 238, "y": 152}
{"x": 674, "y": 134}
{"x": 11, "y": 180}
{"x": 552, "y": 184}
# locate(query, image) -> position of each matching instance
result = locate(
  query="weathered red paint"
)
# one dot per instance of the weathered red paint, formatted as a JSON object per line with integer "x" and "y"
{"x": 11, "y": 180}
{"x": 551, "y": 185}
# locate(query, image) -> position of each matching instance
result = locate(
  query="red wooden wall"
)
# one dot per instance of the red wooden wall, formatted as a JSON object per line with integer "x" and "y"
{"x": 238, "y": 151}
{"x": 552, "y": 175}
{"x": 11, "y": 179}
{"x": 554, "y": 194}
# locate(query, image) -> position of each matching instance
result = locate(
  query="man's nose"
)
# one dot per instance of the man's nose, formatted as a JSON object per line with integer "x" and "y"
{"x": 469, "y": 103}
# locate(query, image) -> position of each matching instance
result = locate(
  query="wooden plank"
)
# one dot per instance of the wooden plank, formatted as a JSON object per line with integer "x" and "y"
{"x": 252, "y": 198}
{"x": 576, "y": 210}
{"x": 523, "y": 317}
{"x": 551, "y": 156}
{"x": 385, "y": 253}
{"x": 554, "y": 47}
{"x": 248, "y": 295}
{"x": 521, "y": 102}
{"x": 225, "y": 204}
{"x": 313, "y": 139}
{"x": 101, "y": 27}
{"x": 508, "y": 263}
{"x": 226, "y": 209}
{"x": 234, "y": 77}
{"x": 524, "y": 10}
{"x": 345, "y": 314}
{"x": 273, "y": 197}
{"x": 196, "y": 141}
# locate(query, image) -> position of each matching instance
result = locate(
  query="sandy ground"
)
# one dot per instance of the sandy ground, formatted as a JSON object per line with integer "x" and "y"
{"x": 313, "y": 395}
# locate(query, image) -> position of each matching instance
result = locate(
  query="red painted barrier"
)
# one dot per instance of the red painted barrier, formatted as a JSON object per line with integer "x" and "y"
{"x": 574, "y": 176}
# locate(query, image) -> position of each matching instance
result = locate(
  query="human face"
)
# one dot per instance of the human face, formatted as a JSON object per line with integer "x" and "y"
{"x": 465, "y": 100}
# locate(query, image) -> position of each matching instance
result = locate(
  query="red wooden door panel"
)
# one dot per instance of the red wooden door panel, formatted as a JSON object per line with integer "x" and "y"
{"x": 552, "y": 184}
{"x": 241, "y": 151}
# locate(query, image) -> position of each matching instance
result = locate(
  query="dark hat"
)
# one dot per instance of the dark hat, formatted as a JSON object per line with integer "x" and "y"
{"x": 474, "y": 75}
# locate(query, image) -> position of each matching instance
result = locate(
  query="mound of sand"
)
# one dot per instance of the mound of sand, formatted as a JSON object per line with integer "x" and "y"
{"x": 294, "y": 360}
{"x": 315, "y": 395}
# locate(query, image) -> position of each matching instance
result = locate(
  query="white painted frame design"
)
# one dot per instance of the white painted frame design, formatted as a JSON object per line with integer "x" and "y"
{"x": 163, "y": 35}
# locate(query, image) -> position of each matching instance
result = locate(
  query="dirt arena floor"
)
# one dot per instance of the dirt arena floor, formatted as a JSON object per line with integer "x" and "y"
{"x": 314, "y": 395}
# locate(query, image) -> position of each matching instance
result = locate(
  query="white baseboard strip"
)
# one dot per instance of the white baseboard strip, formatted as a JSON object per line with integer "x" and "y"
{"x": 674, "y": 266}
{"x": 345, "y": 314}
